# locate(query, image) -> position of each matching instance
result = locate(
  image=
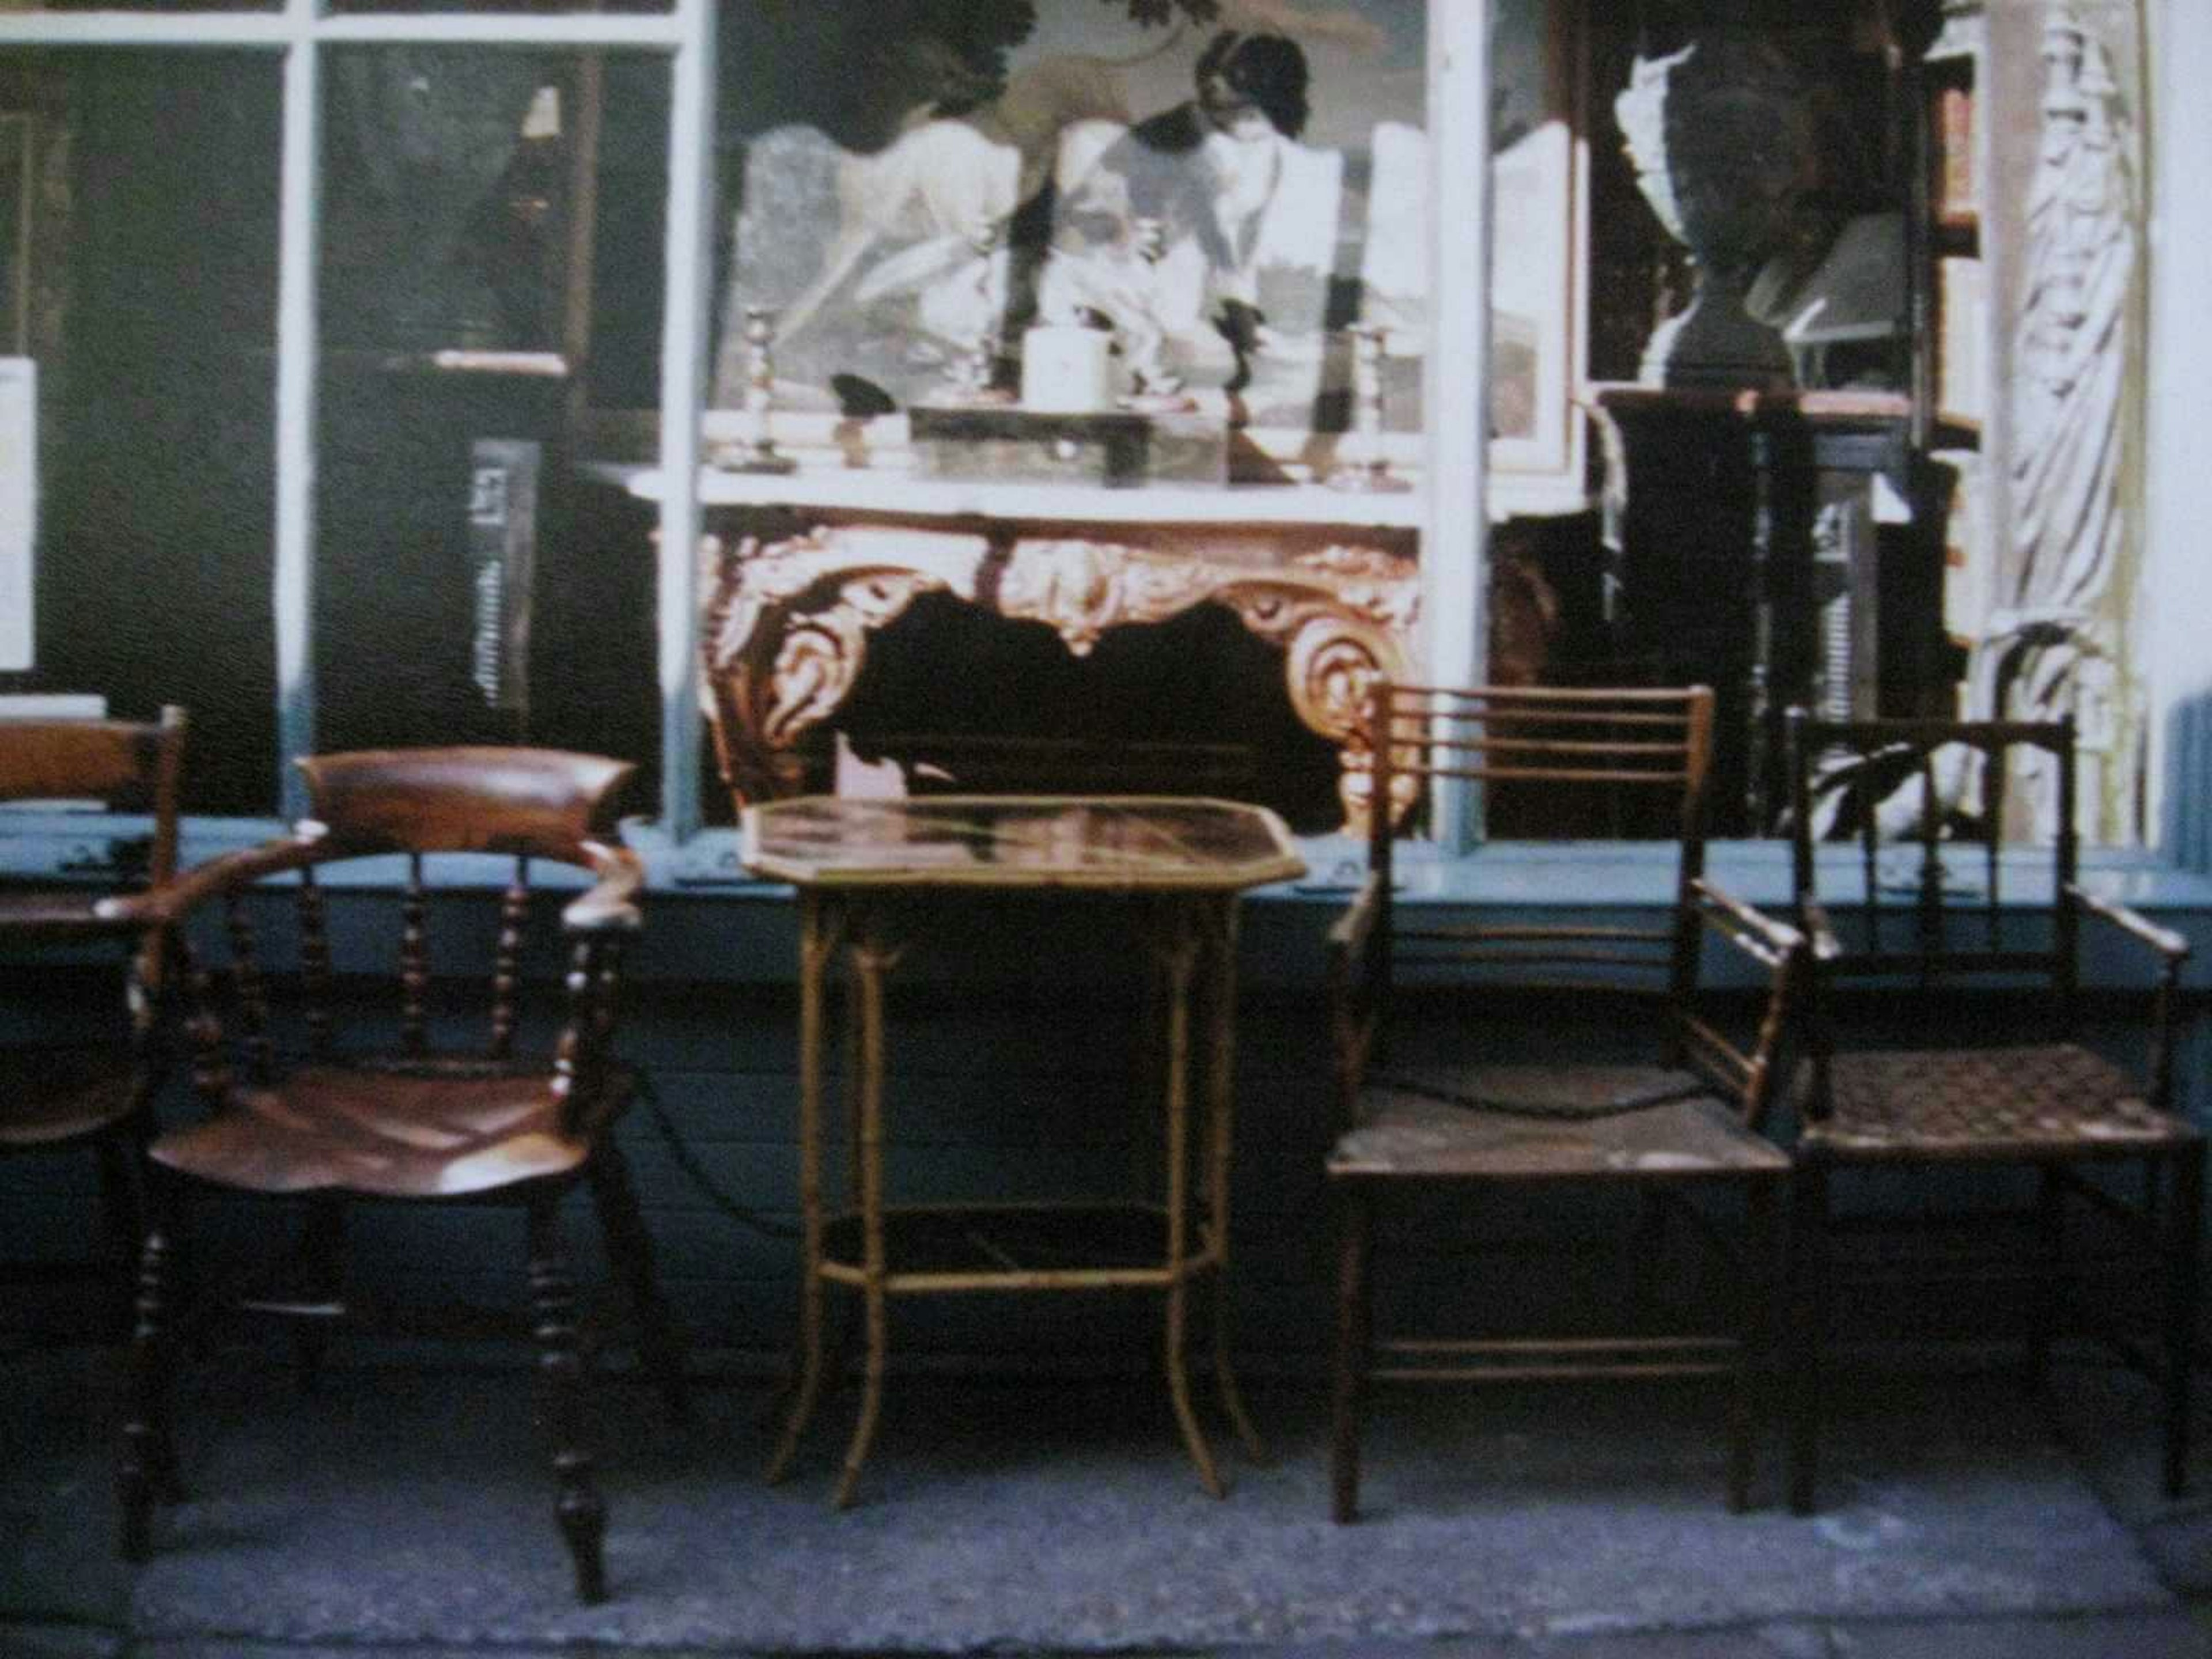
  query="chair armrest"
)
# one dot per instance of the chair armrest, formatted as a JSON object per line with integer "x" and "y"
{"x": 611, "y": 904}
{"x": 1354, "y": 1010}
{"x": 1753, "y": 1073}
{"x": 1352, "y": 928}
{"x": 2168, "y": 943}
{"x": 2173, "y": 950}
{"x": 1819, "y": 932}
{"x": 168, "y": 902}
{"x": 1772, "y": 943}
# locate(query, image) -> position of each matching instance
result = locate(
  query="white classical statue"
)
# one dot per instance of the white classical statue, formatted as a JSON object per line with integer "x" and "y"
{"x": 2050, "y": 648}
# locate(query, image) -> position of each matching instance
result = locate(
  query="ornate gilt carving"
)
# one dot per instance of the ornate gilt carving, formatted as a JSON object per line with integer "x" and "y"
{"x": 1082, "y": 588}
{"x": 786, "y": 624}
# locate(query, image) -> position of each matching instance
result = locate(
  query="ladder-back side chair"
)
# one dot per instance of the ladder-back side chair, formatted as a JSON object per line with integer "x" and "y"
{"x": 1962, "y": 917}
{"x": 74, "y": 1090}
{"x": 1437, "y": 1007}
{"x": 330, "y": 1084}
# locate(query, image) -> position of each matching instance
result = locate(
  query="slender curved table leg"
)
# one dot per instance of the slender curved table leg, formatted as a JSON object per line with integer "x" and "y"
{"x": 1219, "y": 952}
{"x": 817, "y": 944}
{"x": 1179, "y": 943}
{"x": 872, "y": 961}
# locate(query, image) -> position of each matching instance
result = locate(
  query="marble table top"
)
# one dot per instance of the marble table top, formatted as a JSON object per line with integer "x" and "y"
{"x": 1110, "y": 843}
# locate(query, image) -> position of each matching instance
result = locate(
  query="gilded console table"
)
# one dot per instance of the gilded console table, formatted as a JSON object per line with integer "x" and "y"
{"x": 800, "y": 571}
{"x": 877, "y": 877}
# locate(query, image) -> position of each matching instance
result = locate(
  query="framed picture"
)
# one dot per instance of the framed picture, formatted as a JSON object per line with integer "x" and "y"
{"x": 1217, "y": 206}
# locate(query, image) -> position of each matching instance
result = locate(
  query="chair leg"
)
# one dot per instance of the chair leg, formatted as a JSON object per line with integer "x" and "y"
{"x": 1754, "y": 1340}
{"x": 2185, "y": 1224}
{"x": 123, "y": 1207}
{"x": 580, "y": 1509}
{"x": 629, "y": 1247}
{"x": 1354, "y": 1332}
{"x": 322, "y": 1284}
{"x": 146, "y": 1458}
{"x": 2050, "y": 1279}
{"x": 1807, "y": 1299}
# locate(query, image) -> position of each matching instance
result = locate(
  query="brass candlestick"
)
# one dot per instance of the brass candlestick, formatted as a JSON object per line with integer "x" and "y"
{"x": 975, "y": 372}
{"x": 756, "y": 451}
{"x": 1361, "y": 467}
{"x": 1154, "y": 388}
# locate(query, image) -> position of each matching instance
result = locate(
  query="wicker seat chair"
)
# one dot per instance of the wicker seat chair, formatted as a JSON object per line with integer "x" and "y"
{"x": 75, "y": 1094}
{"x": 1672, "y": 1122}
{"x": 328, "y": 1086}
{"x": 1937, "y": 927}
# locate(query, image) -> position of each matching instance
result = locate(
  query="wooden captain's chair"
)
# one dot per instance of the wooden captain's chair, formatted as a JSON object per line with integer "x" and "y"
{"x": 63, "y": 1092}
{"x": 330, "y": 1088}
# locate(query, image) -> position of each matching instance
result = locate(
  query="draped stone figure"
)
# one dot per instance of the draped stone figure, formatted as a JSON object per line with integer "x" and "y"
{"x": 2053, "y": 648}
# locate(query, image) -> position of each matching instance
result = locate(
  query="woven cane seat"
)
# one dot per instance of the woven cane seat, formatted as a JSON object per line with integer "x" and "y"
{"x": 1414, "y": 1136}
{"x": 1987, "y": 1103}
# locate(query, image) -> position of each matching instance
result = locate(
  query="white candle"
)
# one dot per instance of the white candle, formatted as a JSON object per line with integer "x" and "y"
{"x": 1064, "y": 370}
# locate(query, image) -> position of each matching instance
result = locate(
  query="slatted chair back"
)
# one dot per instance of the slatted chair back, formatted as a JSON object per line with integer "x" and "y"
{"x": 1616, "y": 749}
{"x": 128, "y": 766}
{"x": 1632, "y": 753}
{"x": 533, "y": 806}
{"x": 1952, "y": 909}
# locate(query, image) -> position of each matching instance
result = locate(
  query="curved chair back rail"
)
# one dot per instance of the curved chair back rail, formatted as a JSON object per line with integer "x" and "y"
{"x": 472, "y": 799}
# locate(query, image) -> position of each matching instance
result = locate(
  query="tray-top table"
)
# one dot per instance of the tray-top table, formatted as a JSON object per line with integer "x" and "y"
{"x": 865, "y": 870}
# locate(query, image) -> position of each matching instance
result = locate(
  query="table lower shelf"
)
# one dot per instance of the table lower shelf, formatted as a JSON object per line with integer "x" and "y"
{"x": 1019, "y": 1247}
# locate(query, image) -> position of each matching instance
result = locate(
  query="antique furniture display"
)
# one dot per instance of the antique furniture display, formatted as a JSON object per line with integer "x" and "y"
{"x": 869, "y": 874}
{"x": 1435, "y": 1102}
{"x": 1933, "y": 928}
{"x": 792, "y": 598}
{"x": 332, "y": 1088}
{"x": 100, "y": 1095}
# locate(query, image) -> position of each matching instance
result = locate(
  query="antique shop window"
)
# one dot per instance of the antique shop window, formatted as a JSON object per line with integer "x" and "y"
{"x": 307, "y": 302}
{"x": 491, "y": 259}
{"x": 1872, "y": 424}
{"x": 139, "y": 195}
{"x": 1114, "y": 323}
{"x": 223, "y": 519}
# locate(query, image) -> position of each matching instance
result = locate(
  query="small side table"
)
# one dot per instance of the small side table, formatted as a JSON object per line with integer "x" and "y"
{"x": 863, "y": 868}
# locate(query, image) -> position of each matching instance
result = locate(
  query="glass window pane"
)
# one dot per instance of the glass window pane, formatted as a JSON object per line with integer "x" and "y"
{"x": 540, "y": 8}
{"x": 492, "y": 257}
{"x": 138, "y": 193}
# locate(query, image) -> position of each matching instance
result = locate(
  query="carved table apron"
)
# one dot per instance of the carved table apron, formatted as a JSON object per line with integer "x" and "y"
{"x": 792, "y": 596}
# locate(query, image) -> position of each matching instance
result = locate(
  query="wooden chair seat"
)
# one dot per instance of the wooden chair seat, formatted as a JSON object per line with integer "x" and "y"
{"x": 1408, "y": 1135}
{"x": 414, "y": 1128}
{"x": 1988, "y": 1105}
{"x": 49, "y": 1096}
